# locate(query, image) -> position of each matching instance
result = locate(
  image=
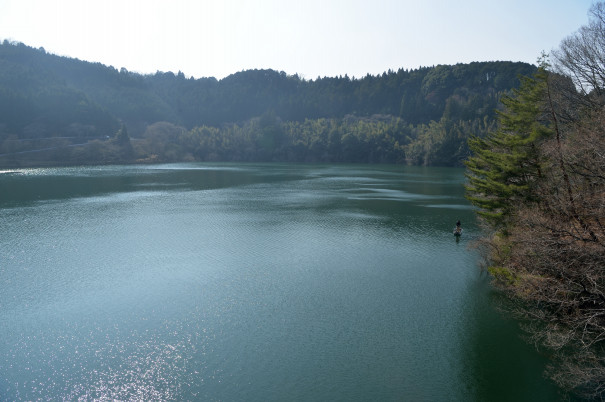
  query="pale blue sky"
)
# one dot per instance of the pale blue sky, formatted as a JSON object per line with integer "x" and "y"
{"x": 205, "y": 38}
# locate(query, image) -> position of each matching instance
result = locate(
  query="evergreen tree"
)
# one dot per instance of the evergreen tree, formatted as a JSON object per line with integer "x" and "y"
{"x": 122, "y": 140}
{"x": 506, "y": 163}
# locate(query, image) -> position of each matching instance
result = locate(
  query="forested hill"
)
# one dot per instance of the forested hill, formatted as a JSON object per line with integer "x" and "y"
{"x": 71, "y": 107}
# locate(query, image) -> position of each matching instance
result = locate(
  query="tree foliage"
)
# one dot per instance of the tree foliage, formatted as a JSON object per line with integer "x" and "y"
{"x": 539, "y": 183}
{"x": 506, "y": 164}
{"x": 424, "y": 115}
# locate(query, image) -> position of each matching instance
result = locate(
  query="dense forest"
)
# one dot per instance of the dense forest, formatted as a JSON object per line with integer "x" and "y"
{"x": 538, "y": 182}
{"x": 59, "y": 110}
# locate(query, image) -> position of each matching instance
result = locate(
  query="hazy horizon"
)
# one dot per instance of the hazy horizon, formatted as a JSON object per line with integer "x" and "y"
{"x": 315, "y": 39}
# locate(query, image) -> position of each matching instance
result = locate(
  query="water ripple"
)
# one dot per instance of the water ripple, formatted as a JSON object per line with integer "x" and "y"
{"x": 271, "y": 282}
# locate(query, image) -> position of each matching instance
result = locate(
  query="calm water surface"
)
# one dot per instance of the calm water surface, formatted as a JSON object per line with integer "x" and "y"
{"x": 249, "y": 282}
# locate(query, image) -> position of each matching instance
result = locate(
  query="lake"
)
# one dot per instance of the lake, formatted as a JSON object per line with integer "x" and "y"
{"x": 250, "y": 282}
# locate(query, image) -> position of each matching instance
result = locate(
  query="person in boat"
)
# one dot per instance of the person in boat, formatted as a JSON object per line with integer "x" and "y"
{"x": 458, "y": 228}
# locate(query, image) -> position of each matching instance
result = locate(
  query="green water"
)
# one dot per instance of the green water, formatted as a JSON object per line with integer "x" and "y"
{"x": 266, "y": 282}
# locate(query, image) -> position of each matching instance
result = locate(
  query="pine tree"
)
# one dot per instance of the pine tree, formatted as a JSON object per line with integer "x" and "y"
{"x": 506, "y": 163}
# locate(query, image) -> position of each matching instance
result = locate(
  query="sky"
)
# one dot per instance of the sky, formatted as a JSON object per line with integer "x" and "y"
{"x": 311, "y": 38}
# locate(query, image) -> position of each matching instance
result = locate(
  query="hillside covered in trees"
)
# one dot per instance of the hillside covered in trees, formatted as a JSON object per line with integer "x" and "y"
{"x": 59, "y": 110}
{"x": 538, "y": 182}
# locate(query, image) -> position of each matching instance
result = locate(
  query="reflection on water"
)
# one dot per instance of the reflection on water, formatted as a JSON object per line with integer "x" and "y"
{"x": 249, "y": 282}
